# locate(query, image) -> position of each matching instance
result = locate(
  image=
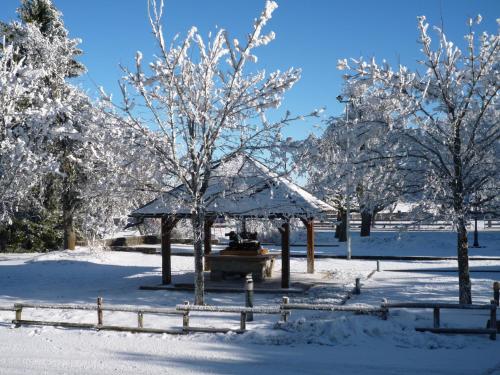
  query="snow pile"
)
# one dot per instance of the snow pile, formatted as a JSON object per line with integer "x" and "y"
{"x": 354, "y": 330}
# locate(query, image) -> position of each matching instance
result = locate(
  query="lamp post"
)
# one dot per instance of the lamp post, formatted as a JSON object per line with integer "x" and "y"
{"x": 348, "y": 175}
{"x": 476, "y": 212}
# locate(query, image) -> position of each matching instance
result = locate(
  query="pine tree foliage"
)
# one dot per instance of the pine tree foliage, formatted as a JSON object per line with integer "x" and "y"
{"x": 23, "y": 115}
{"x": 66, "y": 171}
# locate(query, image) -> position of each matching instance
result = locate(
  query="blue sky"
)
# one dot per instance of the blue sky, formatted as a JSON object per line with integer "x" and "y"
{"x": 310, "y": 34}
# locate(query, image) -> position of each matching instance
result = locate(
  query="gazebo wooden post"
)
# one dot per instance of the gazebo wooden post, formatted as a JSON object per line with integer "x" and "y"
{"x": 310, "y": 245}
{"x": 285, "y": 254}
{"x": 207, "y": 240}
{"x": 167, "y": 224}
{"x": 309, "y": 224}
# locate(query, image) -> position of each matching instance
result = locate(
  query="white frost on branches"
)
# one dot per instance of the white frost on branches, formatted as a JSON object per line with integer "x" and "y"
{"x": 206, "y": 105}
{"x": 447, "y": 118}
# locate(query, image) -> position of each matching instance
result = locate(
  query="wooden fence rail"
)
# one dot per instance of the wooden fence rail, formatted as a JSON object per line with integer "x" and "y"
{"x": 100, "y": 308}
{"x": 491, "y": 328}
{"x": 120, "y": 308}
{"x": 327, "y": 307}
{"x": 284, "y": 309}
{"x": 243, "y": 311}
{"x": 7, "y": 308}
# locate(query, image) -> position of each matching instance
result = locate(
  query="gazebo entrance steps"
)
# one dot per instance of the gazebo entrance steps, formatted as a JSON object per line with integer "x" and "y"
{"x": 300, "y": 283}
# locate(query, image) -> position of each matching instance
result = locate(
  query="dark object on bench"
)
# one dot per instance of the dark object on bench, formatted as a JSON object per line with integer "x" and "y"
{"x": 244, "y": 244}
{"x": 243, "y": 240}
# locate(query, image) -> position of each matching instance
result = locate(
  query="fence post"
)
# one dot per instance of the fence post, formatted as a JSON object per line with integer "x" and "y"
{"x": 18, "y": 310}
{"x": 249, "y": 296}
{"x": 243, "y": 320}
{"x": 185, "y": 317}
{"x": 140, "y": 319}
{"x": 357, "y": 288}
{"x": 384, "y": 308}
{"x": 378, "y": 265}
{"x": 285, "y": 312}
{"x": 496, "y": 292}
{"x": 436, "y": 317}
{"x": 493, "y": 320}
{"x": 99, "y": 311}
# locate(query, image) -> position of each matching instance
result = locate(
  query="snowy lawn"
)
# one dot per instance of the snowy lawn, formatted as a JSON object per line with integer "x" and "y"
{"x": 402, "y": 243}
{"x": 382, "y": 243}
{"x": 312, "y": 342}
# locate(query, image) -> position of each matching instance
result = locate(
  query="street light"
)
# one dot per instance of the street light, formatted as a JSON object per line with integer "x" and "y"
{"x": 476, "y": 212}
{"x": 347, "y": 101}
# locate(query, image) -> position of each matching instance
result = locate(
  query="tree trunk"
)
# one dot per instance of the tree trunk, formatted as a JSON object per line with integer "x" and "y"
{"x": 337, "y": 227}
{"x": 3, "y": 239}
{"x": 374, "y": 217}
{"x": 207, "y": 240}
{"x": 366, "y": 222}
{"x": 197, "y": 221}
{"x": 68, "y": 203}
{"x": 69, "y": 231}
{"x": 464, "y": 283}
{"x": 343, "y": 228}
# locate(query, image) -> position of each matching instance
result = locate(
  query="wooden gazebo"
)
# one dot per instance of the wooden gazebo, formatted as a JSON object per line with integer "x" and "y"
{"x": 240, "y": 188}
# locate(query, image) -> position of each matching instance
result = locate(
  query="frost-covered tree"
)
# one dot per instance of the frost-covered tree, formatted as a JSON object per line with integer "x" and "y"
{"x": 47, "y": 19}
{"x": 66, "y": 159}
{"x": 121, "y": 173}
{"x": 207, "y": 105}
{"x": 357, "y": 150}
{"x": 23, "y": 113}
{"x": 447, "y": 116}
{"x": 42, "y": 42}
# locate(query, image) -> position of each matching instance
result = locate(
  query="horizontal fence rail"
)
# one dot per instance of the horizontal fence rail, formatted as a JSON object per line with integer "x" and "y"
{"x": 328, "y": 307}
{"x": 99, "y": 308}
{"x": 491, "y": 328}
{"x": 284, "y": 310}
{"x": 430, "y": 305}
{"x": 7, "y": 308}
{"x": 184, "y": 310}
{"x": 230, "y": 309}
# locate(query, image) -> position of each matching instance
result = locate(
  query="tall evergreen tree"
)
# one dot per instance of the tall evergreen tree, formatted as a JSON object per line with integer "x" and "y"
{"x": 43, "y": 42}
{"x": 48, "y": 20}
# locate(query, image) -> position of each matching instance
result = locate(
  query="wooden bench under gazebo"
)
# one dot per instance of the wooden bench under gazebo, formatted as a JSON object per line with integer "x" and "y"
{"x": 242, "y": 188}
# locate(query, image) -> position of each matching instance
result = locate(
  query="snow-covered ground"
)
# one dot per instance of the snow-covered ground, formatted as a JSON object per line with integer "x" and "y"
{"x": 311, "y": 342}
{"x": 381, "y": 243}
{"x": 403, "y": 243}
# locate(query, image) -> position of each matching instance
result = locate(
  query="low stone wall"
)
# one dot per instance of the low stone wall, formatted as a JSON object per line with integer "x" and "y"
{"x": 145, "y": 240}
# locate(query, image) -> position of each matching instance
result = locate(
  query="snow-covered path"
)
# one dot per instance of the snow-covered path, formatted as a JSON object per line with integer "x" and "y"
{"x": 56, "y": 351}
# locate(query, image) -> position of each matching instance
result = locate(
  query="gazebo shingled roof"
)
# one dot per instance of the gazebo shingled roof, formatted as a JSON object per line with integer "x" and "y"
{"x": 241, "y": 187}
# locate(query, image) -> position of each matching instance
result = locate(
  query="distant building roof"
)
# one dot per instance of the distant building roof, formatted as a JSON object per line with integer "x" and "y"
{"x": 241, "y": 187}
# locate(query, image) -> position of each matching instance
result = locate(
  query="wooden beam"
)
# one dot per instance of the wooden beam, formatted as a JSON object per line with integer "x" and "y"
{"x": 167, "y": 224}
{"x": 310, "y": 245}
{"x": 285, "y": 255}
{"x": 207, "y": 240}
